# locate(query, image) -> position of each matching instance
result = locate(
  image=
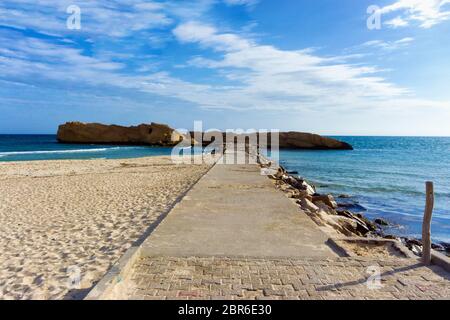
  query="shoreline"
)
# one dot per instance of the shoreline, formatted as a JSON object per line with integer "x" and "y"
{"x": 290, "y": 182}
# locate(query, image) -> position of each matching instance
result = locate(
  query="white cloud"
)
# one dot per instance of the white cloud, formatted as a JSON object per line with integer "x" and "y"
{"x": 397, "y": 22}
{"x": 389, "y": 45}
{"x": 113, "y": 18}
{"x": 426, "y": 12}
{"x": 275, "y": 78}
{"x": 258, "y": 77}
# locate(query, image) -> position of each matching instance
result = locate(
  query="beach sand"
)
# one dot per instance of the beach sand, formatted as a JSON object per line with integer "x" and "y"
{"x": 58, "y": 218}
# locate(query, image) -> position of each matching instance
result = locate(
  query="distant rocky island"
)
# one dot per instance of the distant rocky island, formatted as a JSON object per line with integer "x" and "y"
{"x": 155, "y": 134}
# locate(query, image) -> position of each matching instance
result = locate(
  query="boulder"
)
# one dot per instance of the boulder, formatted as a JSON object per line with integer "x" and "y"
{"x": 95, "y": 133}
{"x": 345, "y": 225}
{"x": 325, "y": 208}
{"x": 308, "y": 188}
{"x": 308, "y": 205}
{"x": 327, "y": 199}
{"x": 369, "y": 224}
{"x": 302, "y": 194}
{"x": 381, "y": 222}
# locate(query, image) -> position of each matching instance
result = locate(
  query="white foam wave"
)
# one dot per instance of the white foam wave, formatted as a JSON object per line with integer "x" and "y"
{"x": 18, "y": 153}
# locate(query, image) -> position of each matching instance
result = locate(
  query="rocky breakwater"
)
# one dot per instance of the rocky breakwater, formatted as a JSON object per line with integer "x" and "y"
{"x": 335, "y": 218}
{"x": 153, "y": 134}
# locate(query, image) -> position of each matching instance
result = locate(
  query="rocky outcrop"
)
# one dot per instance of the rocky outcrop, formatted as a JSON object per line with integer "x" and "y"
{"x": 96, "y": 133}
{"x": 163, "y": 135}
{"x": 301, "y": 140}
{"x": 287, "y": 140}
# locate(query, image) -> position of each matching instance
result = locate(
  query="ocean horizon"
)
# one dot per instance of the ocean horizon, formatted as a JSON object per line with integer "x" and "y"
{"x": 384, "y": 177}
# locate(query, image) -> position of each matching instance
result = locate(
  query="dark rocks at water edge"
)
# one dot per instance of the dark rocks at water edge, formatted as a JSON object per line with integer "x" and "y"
{"x": 323, "y": 209}
{"x": 326, "y": 212}
{"x": 163, "y": 135}
{"x": 415, "y": 245}
{"x": 381, "y": 222}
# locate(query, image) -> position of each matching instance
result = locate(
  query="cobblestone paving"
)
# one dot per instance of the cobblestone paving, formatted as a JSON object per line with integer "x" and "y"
{"x": 253, "y": 278}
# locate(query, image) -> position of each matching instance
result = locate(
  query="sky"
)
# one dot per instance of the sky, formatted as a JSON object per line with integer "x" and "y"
{"x": 347, "y": 67}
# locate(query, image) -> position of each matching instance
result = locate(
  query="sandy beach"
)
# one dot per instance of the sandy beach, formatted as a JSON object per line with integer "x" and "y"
{"x": 58, "y": 217}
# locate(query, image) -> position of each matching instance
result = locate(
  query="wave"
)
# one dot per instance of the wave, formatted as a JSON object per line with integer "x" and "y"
{"x": 19, "y": 153}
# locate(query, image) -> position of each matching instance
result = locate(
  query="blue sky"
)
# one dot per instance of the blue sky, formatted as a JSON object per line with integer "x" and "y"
{"x": 290, "y": 65}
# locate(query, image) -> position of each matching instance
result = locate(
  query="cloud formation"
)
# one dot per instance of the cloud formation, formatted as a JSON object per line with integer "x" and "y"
{"x": 389, "y": 45}
{"x": 425, "y": 12}
{"x": 255, "y": 76}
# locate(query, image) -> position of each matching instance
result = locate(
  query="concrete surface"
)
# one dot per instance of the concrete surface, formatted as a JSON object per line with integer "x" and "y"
{"x": 235, "y": 211}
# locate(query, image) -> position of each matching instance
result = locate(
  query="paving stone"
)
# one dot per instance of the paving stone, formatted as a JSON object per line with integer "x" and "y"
{"x": 257, "y": 278}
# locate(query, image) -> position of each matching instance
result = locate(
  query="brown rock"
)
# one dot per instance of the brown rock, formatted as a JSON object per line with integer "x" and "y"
{"x": 292, "y": 140}
{"x": 144, "y": 134}
{"x": 308, "y": 205}
{"x": 327, "y": 199}
{"x": 301, "y": 140}
{"x": 325, "y": 208}
{"x": 348, "y": 225}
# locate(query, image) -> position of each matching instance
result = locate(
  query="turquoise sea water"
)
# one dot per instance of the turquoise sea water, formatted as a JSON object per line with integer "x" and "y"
{"x": 45, "y": 147}
{"x": 385, "y": 175}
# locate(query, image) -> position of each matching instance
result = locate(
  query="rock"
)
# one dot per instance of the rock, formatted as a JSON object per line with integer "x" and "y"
{"x": 300, "y": 140}
{"x": 287, "y": 140}
{"x": 292, "y": 172}
{"x": 390, "y": 237}
{"x": 344, "y": 196}
{"x": 327, "y": 199}
{"x": 300, "y": 194}
{"x": 381, "y": 222}
{"x": 437, "y": 247}
{"x": 362, "y": 227}
{"x": 325, "y": 208}
{"x": 95, "y": 133}
{"x": 416, "y": 242}
{"x": 416, "y": 250}
{"x": 308, "y": 188}
{"x": 446, "y": 246}
{"x": 372, "y": 226}
{"x": 308, "y": 205}
{"x": 353, "y": 206}
{"x": 295, "y": 182}
{"x": 346, "y": 225}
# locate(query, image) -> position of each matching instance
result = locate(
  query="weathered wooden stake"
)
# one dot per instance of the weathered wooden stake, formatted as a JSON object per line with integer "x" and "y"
{"x": 426, "y": 226}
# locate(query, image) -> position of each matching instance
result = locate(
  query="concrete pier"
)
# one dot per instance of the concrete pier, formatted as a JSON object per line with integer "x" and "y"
{"x": 234, "y": 236}
{"x": 235, "y": 211}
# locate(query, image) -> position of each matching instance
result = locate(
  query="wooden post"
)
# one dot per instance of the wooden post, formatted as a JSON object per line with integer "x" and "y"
{"x": 426, "y": 226}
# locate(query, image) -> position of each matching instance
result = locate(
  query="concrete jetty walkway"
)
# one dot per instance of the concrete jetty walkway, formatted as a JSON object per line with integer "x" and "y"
{"x": 234, "y": 236}
{"x": 235, "y": 211}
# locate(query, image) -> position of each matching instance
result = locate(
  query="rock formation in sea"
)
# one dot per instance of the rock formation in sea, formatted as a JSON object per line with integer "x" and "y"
{"x": 95, "y": 133}
{"x": 163, "y": 135}
{"x": 287, "y": 140}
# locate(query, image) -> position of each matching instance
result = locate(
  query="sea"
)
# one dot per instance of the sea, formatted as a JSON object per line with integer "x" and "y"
{"x": 383, "y": 177}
